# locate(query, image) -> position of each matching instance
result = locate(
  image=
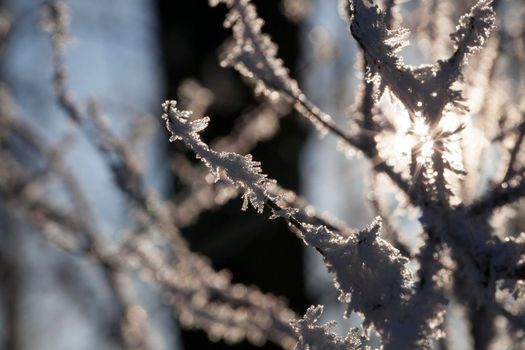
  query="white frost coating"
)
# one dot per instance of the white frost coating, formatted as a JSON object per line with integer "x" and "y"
{"x": 474, "y": 29}
{"x": 320, "y": 337}
{"x": 371, "y": 275}
{"x": 254, "y": 55}
{"x": 241, "y": 171}
{"x": 425, "y": 90}
{"x": 373, "y": 279}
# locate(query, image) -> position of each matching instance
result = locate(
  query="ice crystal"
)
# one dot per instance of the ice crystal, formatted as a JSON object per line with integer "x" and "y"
{"x": 313, "y": 336}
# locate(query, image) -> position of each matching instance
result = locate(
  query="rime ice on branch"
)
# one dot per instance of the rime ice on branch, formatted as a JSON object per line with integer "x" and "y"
{"x": 463, "y": 257}
{"x": 425, "y": 90}
{"x": 371, "y": 275}
{"x": 254, "y": 55}
{"x": 320, "y": 337}
{"x": 428, "y": 93}
{"x": 242, "y": 171}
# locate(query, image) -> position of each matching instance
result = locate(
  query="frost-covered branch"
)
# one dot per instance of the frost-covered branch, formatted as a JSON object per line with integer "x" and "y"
{"x": 320, "y": 337}
{"x": 471, "y": 252}
{"x": 371, "y": 275}
{"x": 424, "y": 90}
{"x": 254, "y": 55}
{"x": 257, "y": 125}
